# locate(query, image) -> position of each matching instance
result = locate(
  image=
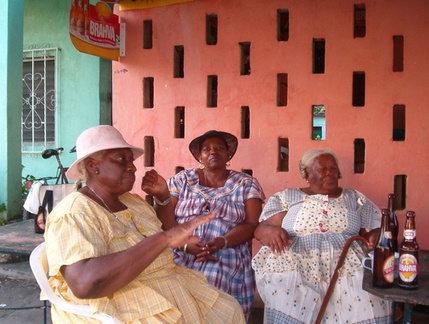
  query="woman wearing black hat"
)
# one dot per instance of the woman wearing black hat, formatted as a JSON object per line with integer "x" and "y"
{"x": 224, "y": 250}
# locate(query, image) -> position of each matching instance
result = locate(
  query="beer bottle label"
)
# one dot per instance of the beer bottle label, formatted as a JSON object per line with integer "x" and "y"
{"x": 409, "y": 234}
{"x": 408, "y": 267}
{"x": 388, "y": 235}
{"x": 389, "y": 269}
{"x": 40, "y": 221}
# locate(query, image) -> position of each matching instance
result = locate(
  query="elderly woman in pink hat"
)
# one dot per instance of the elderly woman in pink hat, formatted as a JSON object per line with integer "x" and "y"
{"x": 106, "y": 248}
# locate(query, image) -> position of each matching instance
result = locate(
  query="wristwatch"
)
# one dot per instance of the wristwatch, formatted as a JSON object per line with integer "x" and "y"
{"x": 162, "y": 203}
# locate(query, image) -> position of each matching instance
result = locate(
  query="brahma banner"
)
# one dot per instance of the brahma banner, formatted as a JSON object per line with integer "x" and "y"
{"x": 95, "y": 30}
{"x": 141, "y": 4}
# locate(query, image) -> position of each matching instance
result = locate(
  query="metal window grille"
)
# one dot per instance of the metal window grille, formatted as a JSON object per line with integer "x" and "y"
{"x": 39, "y": 99}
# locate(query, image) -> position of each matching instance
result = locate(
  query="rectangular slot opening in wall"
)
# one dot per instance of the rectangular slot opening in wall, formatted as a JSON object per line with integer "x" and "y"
{"x": 358, "y": 89}
{"x": 398, "y": 53}
{"x": 400, "y": 191}
{"x": 179, "y": 59}
{"x": 318, "y": 55}
{"x": 283, "y": 155}
{"x": 148, "y": 92}
{"x": 212, "y": 91}
{"x": 319, "y": 123}
{"x": 211, "y": 29}
{"x": 149, "y": 151}
{"x": 147, "y": 34}
{"x": 398, "y": 123}
{"x": 178, "y": 169}
{"x": 359, "y": 147}
{"x": 248, "y": 171}
{"x": 359, "y": 21}
{"x": 244, "y": 58}
{"x": 282, "y": 25}
{"x": 282, "y": 85}
{"x": 179, "y": 122}
{"x": 245, "y": 122}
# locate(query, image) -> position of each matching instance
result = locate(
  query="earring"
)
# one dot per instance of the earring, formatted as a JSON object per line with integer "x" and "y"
{"x": 96, "y": 171}
{"x": 201, "y": 166}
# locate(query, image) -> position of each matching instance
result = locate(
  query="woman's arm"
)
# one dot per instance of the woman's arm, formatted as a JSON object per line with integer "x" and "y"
{"x": 270, "y": 233}
{"x": 237, "y": 235}
{"x": 370, "y": 236}
{"x": 103, "y": 276}
{"x": 155, "y": 185}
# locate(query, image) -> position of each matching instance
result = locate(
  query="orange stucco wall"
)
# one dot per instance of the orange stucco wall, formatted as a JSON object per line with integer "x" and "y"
{"x": 255, "y": 21}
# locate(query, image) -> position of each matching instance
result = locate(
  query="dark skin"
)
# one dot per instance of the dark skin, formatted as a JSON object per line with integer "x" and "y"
{"x": 214, "y": 155}
{"x": 322, "y": 177}
{"x": 112, "y": 175}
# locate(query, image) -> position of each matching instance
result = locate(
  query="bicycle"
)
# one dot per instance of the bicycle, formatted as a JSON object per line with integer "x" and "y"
{"x": 29, "y": 210}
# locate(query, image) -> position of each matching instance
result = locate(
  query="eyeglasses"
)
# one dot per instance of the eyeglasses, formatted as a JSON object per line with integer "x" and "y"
{"x": 206, "y": 208}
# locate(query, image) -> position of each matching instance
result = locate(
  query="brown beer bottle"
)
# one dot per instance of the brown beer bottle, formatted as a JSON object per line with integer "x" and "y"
{"x": 80, "y": 19}
{"x": 394, "y": 227}
{"x": 384, "y": 255}
{"x": 409, "y": 255}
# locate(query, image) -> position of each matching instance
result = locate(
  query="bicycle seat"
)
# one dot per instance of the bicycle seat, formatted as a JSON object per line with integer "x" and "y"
{"x": 46, "y": 154}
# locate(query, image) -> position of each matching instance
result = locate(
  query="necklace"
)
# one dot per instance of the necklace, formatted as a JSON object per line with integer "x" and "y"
{"x": 139, "y": 229}
{"x": 102, "y": 200}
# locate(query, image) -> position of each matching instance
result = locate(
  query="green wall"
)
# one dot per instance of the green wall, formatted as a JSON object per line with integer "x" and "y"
{"x": 84, "y": 90}
{"x": 84, "y": 82}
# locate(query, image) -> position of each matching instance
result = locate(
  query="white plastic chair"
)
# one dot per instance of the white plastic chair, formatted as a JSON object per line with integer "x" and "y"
{"x": 39, "y": 266}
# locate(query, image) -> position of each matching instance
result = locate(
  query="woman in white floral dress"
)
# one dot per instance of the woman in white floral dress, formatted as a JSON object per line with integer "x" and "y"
{"x": 303, "y": 232}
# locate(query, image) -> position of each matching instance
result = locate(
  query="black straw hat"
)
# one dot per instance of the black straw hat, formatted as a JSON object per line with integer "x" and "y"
{"x": 229, "y": 139}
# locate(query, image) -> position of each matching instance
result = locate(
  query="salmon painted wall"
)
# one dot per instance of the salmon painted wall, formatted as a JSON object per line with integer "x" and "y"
{"x": 255, "y": 21}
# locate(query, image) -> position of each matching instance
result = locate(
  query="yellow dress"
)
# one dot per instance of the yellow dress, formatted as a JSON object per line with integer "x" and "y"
{"x": 78, "y": 228}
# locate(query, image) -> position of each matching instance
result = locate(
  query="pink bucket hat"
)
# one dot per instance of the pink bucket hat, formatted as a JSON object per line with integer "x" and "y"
{"x": 96, "y": 139}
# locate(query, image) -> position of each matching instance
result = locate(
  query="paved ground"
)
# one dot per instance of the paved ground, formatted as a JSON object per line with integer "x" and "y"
{"x": 18, "y": 288}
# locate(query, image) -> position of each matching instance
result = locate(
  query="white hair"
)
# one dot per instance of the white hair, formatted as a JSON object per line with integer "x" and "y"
{"x": 309, "y": 157}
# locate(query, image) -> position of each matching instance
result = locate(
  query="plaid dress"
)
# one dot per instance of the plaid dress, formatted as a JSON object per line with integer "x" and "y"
{"x": 293, "y": 284}
{"x": 78, "y": 228}
{"x": 233, "y": 272}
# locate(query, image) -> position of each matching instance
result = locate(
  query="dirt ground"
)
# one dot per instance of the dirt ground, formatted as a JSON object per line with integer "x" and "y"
{"x": 19, "y": 289}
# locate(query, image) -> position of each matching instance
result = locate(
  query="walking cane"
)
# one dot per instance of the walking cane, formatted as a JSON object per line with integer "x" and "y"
{"x": 335, "y": 276}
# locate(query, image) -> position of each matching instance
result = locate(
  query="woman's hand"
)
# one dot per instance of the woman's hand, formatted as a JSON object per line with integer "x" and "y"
{"x": 201, "y": 252}
{"x": 155, "y": 185}
{"x": 180, "y": 234}
{"x": 270, "y": 233}
{"x": 370, "y": 236}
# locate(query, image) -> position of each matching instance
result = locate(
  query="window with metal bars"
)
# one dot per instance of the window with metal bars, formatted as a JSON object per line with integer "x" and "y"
{"x": 39, "y": 99}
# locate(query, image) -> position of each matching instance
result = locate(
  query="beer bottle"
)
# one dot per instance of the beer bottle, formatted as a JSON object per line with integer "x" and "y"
{"x": 73, "y": 15}
{"x": 394, "y": 228}
{"x": 384, "y": 255}
{"x": 39, "y": 221}
{"x": 409, "y": 255}
{"x": 80, "y": 20}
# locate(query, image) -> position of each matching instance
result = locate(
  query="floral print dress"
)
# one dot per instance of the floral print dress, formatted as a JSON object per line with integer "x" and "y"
{"x": 293, "y": 284}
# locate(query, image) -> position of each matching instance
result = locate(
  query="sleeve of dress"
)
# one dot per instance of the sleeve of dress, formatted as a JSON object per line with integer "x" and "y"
{"x": 275, "y": 204}
{"x": 253, "y": 190}
{"x": 72, "y": 237}
{"x": 175, "y": 183}
{"x": 370, "y": 213}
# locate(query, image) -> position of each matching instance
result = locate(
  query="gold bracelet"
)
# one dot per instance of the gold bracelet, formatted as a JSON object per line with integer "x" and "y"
{"x": 185, "y": 247}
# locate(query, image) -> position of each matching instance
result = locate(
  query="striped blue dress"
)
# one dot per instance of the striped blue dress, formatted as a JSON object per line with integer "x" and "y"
{"x": 233, "y": 272}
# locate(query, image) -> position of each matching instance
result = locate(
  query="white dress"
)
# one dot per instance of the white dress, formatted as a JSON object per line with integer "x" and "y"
{"x": 294, "y": 284}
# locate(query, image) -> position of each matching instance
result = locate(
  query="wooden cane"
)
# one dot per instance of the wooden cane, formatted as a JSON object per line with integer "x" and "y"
{"x": 335, "y": 276}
